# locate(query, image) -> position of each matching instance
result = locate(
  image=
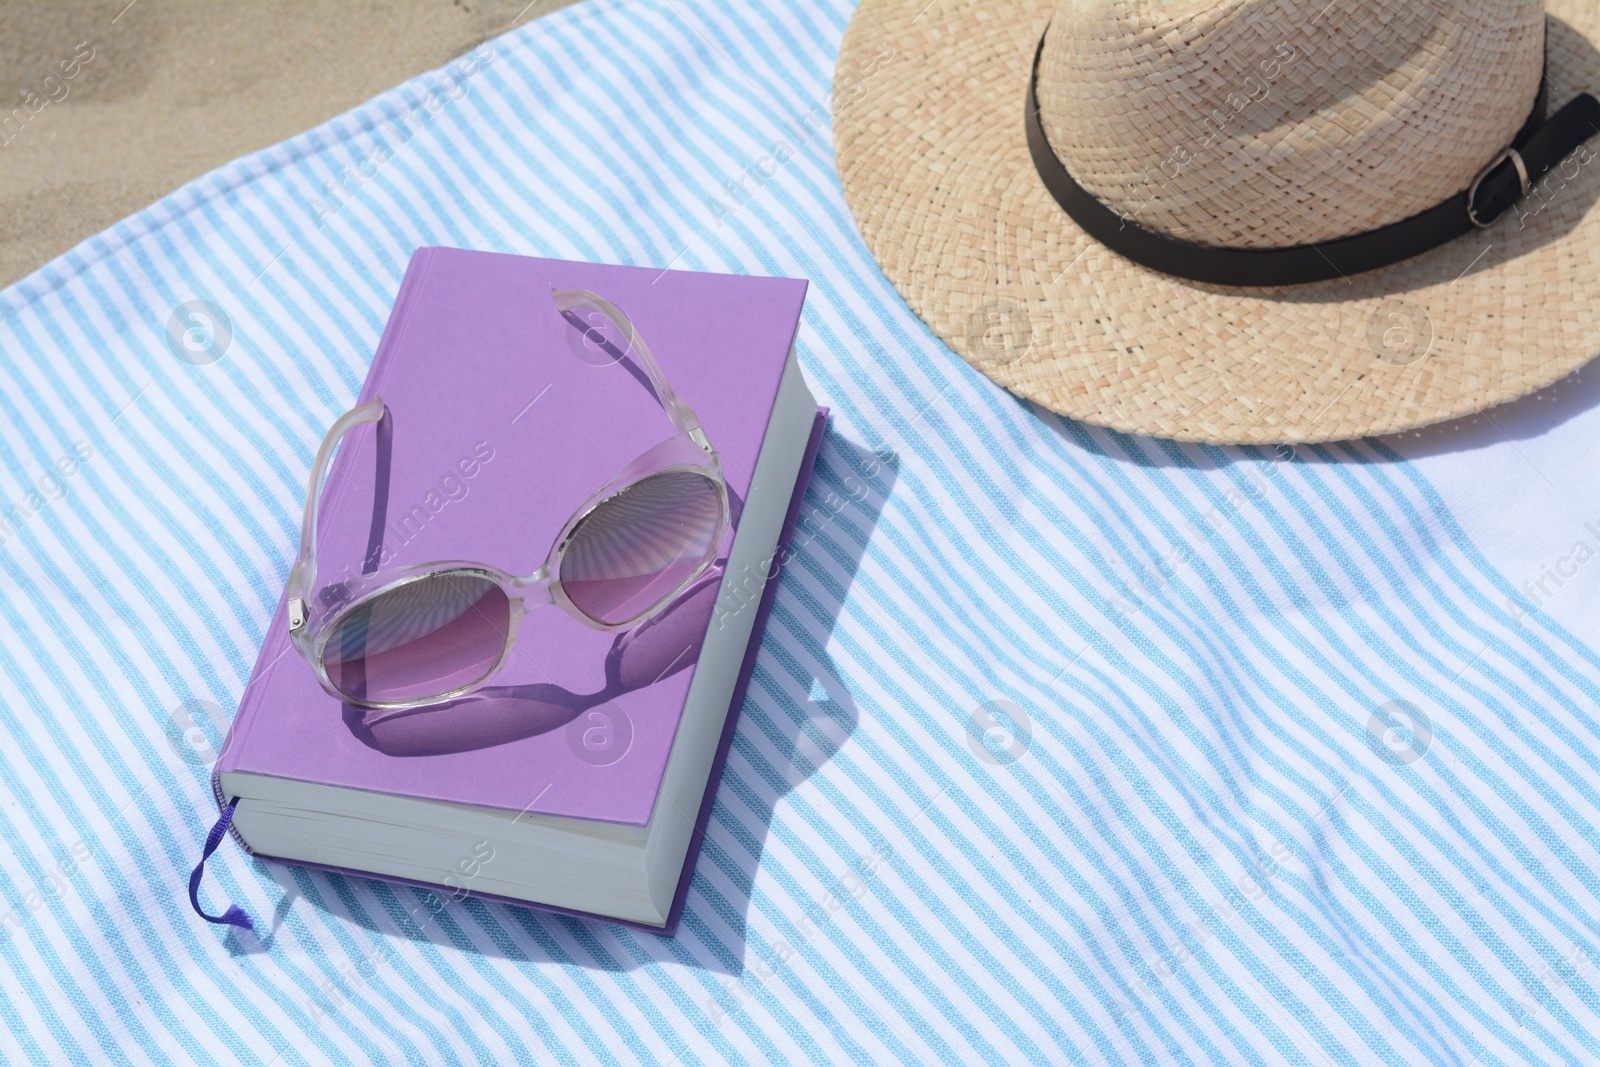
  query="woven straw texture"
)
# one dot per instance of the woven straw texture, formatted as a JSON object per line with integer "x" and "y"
{"x": 1336, "y": 126}
{"x": 935, "y": 167}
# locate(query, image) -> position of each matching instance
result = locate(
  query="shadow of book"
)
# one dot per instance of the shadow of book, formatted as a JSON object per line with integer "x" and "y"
{"x": 797, "y": 716}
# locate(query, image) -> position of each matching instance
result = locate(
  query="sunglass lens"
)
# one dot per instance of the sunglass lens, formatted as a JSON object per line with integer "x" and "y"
{"x": 419, "y": 640}
{"x": 640, "y": 546}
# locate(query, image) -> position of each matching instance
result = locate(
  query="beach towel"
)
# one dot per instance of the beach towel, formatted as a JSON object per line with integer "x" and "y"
{"x": 1063, "y": 746}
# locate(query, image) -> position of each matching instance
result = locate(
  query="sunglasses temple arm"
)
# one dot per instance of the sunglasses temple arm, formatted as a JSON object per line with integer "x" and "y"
{"x": 303, "y": 575}
{"x": 681, "y": 414}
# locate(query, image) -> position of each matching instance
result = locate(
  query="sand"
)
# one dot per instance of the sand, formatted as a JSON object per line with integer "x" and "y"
{"x": 110, "y": 106}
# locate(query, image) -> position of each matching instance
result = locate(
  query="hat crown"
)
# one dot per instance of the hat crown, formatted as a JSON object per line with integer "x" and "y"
{"x": 1275, "y": 123}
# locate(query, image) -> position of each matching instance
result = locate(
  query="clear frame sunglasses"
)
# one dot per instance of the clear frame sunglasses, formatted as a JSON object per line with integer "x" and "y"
{"x": 431, "y": 632}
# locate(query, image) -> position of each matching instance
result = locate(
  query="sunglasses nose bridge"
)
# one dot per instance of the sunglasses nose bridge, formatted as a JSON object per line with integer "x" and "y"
{"x": 533, "y": 590}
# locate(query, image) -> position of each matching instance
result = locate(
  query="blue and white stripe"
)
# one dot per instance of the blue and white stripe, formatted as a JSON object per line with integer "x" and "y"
{"x": 1206, "y": 849}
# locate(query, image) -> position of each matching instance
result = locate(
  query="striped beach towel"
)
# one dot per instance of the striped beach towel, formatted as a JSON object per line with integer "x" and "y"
{"x": 1062, "y": 747}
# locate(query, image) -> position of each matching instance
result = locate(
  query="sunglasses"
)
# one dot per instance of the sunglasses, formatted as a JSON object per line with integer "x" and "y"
{"x": 427, "y": 633}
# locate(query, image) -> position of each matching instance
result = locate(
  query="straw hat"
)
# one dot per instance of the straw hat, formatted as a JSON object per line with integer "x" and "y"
{"x": 1189, "y": 157}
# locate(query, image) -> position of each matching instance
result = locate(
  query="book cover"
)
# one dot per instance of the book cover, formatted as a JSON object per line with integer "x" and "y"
{"x": 505, "y": 415}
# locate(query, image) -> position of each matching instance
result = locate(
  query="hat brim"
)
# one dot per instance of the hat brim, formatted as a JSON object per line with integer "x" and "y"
{"x": 928, "y": 130}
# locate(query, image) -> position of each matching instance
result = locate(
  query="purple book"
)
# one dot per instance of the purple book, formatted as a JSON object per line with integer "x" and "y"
{"x": 579, "y": 780}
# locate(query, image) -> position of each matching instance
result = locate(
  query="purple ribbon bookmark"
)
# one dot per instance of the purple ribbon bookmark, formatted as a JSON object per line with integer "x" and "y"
{"x": 235, "y": 915}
